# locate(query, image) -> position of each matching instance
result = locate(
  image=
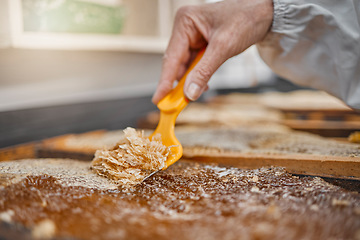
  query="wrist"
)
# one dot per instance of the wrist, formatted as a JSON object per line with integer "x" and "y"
{"x": 265, "y": 15}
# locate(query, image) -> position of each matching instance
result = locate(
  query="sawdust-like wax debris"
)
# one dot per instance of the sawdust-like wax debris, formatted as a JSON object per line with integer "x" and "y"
{"x": 130, "y": 160}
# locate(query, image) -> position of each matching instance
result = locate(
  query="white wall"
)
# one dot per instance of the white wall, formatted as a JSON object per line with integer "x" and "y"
{"x": 4, "y": 24}
{"x": 35, "y": 78}
{"x": 31, "y": 78}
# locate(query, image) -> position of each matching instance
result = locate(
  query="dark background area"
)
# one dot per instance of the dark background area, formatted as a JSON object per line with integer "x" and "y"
{"x": 23, "y": 126}
{"x": 35, "y": 124}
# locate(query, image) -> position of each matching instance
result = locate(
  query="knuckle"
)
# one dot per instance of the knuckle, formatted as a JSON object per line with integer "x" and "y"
{"x": 225, "y": 44}
{"x": 222, "y": 38}
{"x": 184, "y": 11}
{"x": 168, "y": 63}
{"x": 203, "y": 74}
{"x": 165, "y": 60}
{"x": 185, "y": 15}
{"x": 165, "y": 57}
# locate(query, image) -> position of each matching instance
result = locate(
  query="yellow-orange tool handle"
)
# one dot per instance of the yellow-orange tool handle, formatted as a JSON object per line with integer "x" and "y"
{"x": 176, "y": 95}
{"x": 170, "y": 107}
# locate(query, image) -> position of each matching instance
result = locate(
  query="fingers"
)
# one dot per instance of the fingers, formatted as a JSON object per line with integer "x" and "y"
{"x": 226, "y": 27}
{"x": 172, "y": 65}
{"x": 197, "y": 80}
{"x": 179, "y": 52}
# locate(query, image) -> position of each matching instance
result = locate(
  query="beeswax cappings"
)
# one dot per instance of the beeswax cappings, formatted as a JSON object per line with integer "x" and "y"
{"x": 131, "y": 160}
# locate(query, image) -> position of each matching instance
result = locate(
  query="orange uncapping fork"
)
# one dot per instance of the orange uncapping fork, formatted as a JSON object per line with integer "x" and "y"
{"x": 170, "y": 107}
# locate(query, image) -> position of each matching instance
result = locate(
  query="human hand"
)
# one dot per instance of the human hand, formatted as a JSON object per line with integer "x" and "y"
{"x": 227, "y": 28}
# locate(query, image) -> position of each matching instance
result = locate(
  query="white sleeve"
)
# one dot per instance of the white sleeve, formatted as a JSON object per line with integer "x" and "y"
{"x": 316, "y": 43}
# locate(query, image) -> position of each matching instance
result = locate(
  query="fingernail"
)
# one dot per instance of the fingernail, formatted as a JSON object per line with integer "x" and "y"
{"x": 193, "y": 92}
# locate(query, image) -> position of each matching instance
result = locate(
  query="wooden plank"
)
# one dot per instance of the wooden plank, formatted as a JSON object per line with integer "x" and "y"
{"x": 57, "y": 147}
{"x": 305, "y": 164}
{"x": 319, "y": 124}
{"x": 27, "y": 150}
{"x": 313, "y": 165}
{"x": 59, "y": 143}
{"x": 54, "y": 153}
{"x": 324, "y": 128}
{"x": 48, "y": 148}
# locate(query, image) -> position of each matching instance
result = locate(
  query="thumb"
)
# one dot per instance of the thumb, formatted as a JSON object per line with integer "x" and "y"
{"x": 197, "y": 80}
